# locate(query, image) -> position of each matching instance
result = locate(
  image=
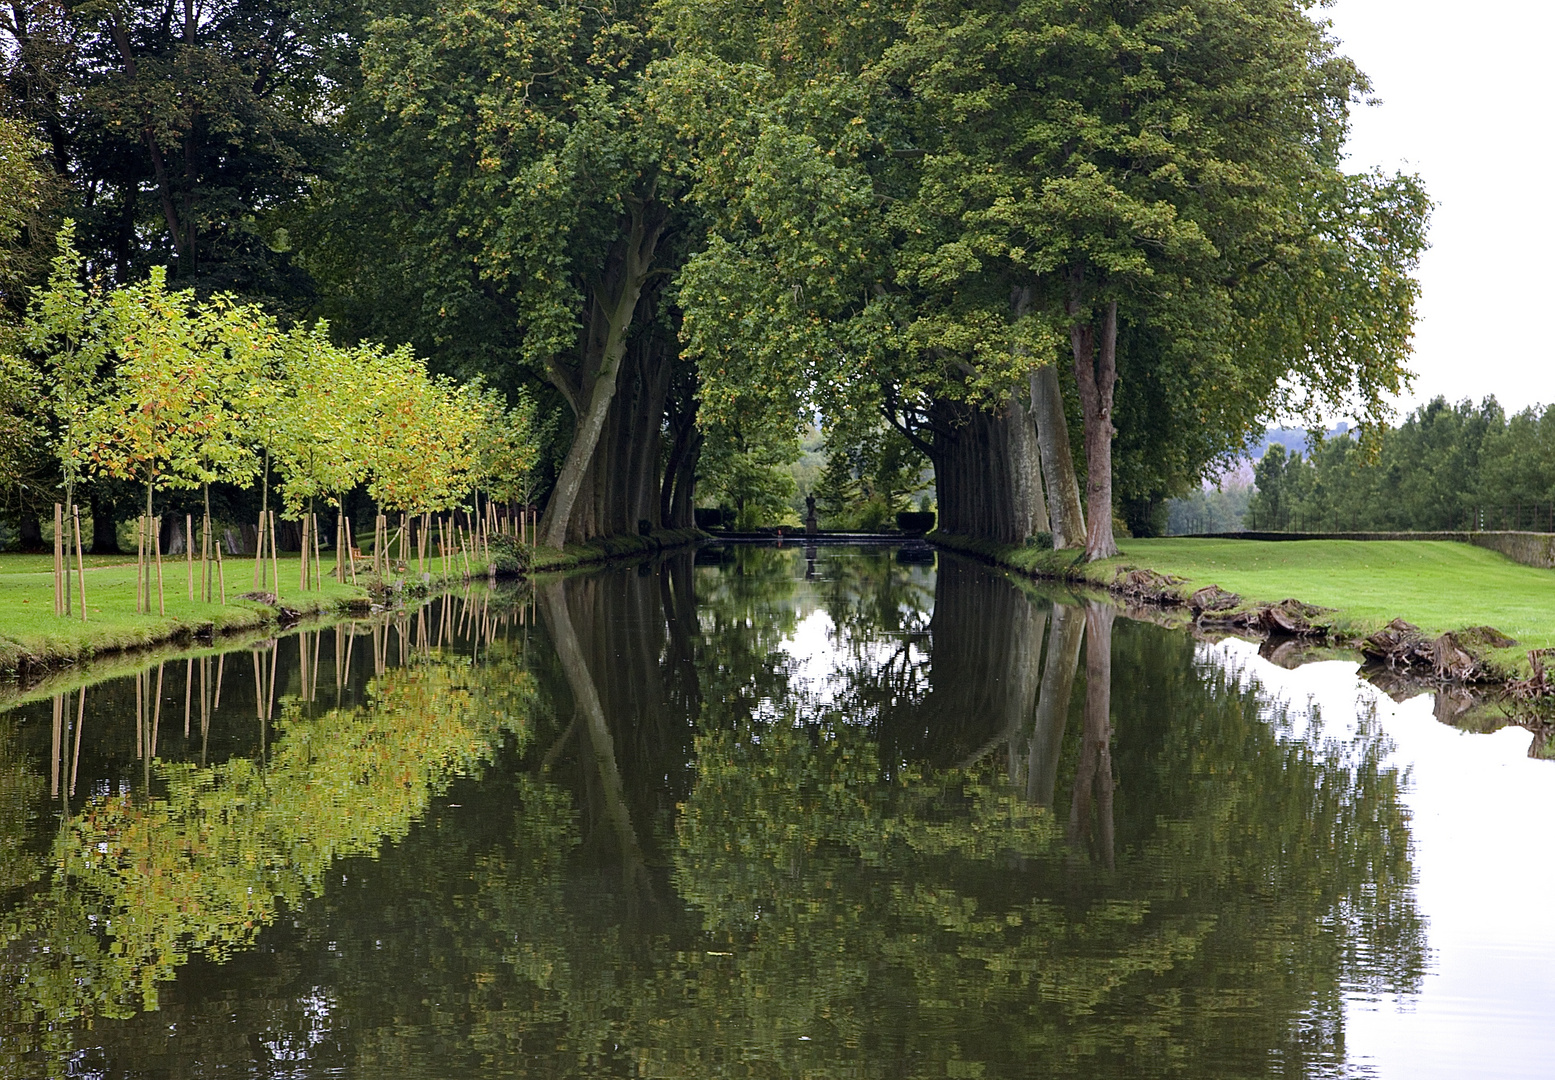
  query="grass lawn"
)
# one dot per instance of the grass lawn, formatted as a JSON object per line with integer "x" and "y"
{"x": 30, "y": 629}
{"x": 1437, "y": 585}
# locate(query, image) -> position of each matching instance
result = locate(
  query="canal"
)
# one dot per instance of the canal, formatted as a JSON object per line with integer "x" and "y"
{"x": 762, "y": 812}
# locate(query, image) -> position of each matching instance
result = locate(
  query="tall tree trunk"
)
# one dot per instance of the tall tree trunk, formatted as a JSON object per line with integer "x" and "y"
{"x": 616, "y": 313}
{"x": 1096, "y": 370}
{"x": 1025, "y": 462}
{"x": 1063, "y": 488}
{"x": 683, "y": 500}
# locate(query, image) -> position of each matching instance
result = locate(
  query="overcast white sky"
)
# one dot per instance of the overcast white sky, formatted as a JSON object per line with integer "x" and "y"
{"x": 1466, "y": 93}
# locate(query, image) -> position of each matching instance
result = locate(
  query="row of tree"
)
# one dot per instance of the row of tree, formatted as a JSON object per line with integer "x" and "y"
{"x": 1446, "y": 467}
{"x": 151, "y": 385}
{"x": 1017, "y": 237}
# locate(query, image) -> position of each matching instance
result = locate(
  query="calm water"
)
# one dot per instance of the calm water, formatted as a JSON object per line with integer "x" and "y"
{"x": 758, "y": 815}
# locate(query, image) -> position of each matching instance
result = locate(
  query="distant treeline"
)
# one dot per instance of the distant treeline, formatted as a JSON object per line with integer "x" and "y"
{"x": 1445, "y": 467}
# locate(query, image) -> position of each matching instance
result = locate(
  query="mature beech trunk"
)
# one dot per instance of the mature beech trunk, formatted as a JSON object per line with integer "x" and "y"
{"x": 1096, "y": 370}
{"x": 1063, "y": 489}
{"x": 621, "y": 488}
{"x": 677, "y": 491}
{"x": 612, "y": 314}
{"x": 985, "y": 471}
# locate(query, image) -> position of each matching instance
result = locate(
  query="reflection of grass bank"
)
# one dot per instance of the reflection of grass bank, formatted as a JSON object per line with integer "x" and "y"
{"x": 1437, "y": 585}
{"x": 32, "y": 636}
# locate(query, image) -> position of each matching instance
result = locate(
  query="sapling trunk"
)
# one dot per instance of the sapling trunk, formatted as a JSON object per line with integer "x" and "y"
{"x": 59, "y": 579}
{"x": 221, "y": 575}
{"x": 302, "y": 565}
{"x": 68, "y": 497}
{"x": 318, "y": 559}
{"x": 189, "y": 551}
{"x": 205, "y": 548}
{"x": 161, "y": 592}
{"x": 140, "y": 564}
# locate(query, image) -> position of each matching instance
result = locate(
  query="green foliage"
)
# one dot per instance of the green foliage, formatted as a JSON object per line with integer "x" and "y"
{"x": 178, "y": 136}
{"x": 1446, "y": 467}
{"x": 872, "y": 473}
{"x": 747, "y": 469}
{"x": 1209, "y": 510}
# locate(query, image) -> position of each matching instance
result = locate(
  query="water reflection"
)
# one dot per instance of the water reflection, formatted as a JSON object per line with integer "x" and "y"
{"x": 769, "y": 813}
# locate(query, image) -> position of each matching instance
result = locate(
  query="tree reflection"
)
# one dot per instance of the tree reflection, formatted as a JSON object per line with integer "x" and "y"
{"x": 142, "y": 884}
{"x": 957, "y": 856}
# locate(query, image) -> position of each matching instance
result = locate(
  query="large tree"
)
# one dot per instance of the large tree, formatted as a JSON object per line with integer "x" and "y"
{"x": 181, "y": 129}
{"x": 1046, "y": 179}
{"x": 513, "y": 203}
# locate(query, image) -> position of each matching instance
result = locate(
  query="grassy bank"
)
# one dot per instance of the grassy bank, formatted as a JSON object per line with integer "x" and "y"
{"x": 1437, "y": 585}
{"x": 32, "y": 636}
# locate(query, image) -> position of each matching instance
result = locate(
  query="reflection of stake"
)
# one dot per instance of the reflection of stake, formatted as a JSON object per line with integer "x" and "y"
{"x": 140, "y": 714}
{"x": 1093, "y": 780}
{"x": 54, "y": 752}
{"x": 156, "y": 716}
{"x": 586, "y": 698}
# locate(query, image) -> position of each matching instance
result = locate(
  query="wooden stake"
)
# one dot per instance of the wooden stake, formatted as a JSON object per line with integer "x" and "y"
{"x": 221, "y": 574}
{"x": 275, "y": 566}
{"x": 80, "y": 563}
{"x": 156, "y": 538}
{"x": 351, "y": 550}
{"x": 189, "y": 551}
{"x": 318, "y": 560}
{"x": 259, "y": 551}
{"x": 302, "y": 572}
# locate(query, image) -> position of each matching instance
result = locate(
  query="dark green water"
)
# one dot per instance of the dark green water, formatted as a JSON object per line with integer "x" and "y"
{"x": 749, "y": 815}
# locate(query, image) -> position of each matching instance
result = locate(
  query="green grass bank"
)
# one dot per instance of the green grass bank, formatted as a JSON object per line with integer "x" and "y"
{"x": 1440, "y": 586}
{"x": 33, "y": 637}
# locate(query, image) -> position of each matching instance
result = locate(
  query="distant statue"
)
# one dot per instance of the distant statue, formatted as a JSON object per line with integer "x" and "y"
{"x": 811, "y": 527}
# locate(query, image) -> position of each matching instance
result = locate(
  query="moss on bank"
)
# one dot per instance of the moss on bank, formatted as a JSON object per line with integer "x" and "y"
{"x": 1440, "y": 587}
